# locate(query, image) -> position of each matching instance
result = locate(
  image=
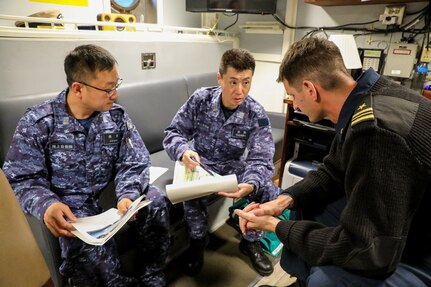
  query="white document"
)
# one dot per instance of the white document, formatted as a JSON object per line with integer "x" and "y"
{"x": 190, "y": 184}
{"x": 98, "y": 229}
{"x": 156, "y": 172}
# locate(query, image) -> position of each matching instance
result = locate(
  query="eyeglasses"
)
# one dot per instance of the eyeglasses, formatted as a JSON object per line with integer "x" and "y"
{"x": 109, "y": 92}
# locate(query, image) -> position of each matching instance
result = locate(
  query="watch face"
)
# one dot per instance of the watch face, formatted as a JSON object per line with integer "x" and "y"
{"x": 125, "y": 5}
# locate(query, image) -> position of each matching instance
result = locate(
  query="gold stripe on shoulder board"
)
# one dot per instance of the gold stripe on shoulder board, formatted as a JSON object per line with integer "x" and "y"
{"x": 363, "y": 115}
{"x": 362, "y": 112}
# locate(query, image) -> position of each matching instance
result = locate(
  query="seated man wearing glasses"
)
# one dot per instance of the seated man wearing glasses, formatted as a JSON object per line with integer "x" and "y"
{"x": 66, "y": 150}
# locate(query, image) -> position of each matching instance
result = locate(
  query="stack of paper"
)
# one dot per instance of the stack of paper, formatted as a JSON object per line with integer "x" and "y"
{"x": 98, "y": 229}
{"x": 190, "y": 184}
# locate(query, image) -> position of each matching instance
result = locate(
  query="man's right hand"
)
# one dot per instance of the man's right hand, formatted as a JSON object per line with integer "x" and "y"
{"x": 55, "y": 219}
{"x": 272, "y": 208}
{"x": 190, "y": 159}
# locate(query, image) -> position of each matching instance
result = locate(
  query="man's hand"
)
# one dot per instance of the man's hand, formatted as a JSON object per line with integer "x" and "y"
{"x": 275, "y": 207}
{"x": 123, "y": 205}
{"x": 251, "y": 221}
{"x": 244, "y": 189}
{"x": 191, "y": 159}
{"x": 55, "y": 218}
{"x": 267, "y": 210}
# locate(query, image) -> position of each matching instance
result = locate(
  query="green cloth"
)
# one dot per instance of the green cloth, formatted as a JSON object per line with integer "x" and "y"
{"x": 270, "y": 242}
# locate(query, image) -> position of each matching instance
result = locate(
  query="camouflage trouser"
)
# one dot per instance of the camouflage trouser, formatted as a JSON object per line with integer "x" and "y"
{"x": 88, "y": 265}
{"x": 196, "y": 212}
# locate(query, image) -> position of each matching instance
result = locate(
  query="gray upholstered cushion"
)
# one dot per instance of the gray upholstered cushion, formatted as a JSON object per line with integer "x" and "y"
{"x": 277, "y": 135}
{"x": 151, "y": 106}
{"x": 11, "y": 110}
{"x": 197, "y": 81}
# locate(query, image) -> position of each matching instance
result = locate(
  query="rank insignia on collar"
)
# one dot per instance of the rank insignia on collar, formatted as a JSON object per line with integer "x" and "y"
{"x": 362, "y": 106}
{"x": 363, "y": 114}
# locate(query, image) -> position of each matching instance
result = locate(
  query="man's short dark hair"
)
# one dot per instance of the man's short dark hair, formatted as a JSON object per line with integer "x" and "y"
{"x": 85, "y": 61}
{"x": 239, "y": 59}
{"x": 315, "y": 59}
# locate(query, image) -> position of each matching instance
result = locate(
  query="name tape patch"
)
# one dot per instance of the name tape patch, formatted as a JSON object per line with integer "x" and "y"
{"x": 62, "y": 146}
{"x": 111, "y": 138}
{"x": 240, "y": 133}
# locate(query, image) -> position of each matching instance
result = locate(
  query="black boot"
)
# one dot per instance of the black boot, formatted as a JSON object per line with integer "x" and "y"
{"x": 254, "y": 251}
{"x": 194, "y": 259}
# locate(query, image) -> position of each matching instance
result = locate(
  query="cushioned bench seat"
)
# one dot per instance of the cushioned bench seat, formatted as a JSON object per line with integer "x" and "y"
{"x": 151, "y": 106}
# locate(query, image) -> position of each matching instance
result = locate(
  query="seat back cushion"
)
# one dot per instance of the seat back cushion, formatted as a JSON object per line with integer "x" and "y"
{"x": 197, "y": 81}
{"x": 11, "y": 111}
{"x": 151, "y": 106}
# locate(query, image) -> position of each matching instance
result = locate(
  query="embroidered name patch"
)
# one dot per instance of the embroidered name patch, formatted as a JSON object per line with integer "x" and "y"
{"x": 240, "y": 134}
{"x": 111, "y": 138}
{"x": 62, "y": 146}
{"x": 203, "y": 125}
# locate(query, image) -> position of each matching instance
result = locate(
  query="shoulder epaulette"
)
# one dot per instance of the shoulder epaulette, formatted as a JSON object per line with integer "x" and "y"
{"x": 40, "y": 111}
{"x": 117, "y": 113}
{"x": 363, "y": 113}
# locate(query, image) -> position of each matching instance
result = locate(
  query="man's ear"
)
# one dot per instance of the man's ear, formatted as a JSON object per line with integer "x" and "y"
{"x": 219, "y": 78}
{"x": 311, "y": 90}
{"x": 76, "y": 89}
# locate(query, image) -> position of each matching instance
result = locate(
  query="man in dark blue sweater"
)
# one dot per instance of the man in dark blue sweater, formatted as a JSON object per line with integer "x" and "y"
{"x": 378, "y": 169}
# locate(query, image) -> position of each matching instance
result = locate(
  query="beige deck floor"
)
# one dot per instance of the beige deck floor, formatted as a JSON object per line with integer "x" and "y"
{"x": 225, "y": 266}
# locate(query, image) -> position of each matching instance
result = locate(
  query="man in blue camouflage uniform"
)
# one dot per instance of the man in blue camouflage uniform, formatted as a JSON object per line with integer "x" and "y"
{"x": 66, "y": 150}
{"x": 215, "y": 127}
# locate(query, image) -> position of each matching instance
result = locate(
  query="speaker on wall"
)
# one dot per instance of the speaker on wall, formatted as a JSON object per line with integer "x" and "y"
{"x": 118, "y": 18}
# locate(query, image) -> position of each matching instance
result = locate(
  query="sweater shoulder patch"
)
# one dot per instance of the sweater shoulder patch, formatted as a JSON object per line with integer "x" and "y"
{"x": 363, "y": 113}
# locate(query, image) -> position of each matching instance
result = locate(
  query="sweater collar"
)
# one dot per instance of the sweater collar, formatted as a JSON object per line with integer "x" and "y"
{"x": 365, "y": 82}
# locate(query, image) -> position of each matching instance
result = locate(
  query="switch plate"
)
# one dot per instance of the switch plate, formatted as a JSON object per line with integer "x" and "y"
{"x": 393, "y": 15}
{"x": 148, "y": 61}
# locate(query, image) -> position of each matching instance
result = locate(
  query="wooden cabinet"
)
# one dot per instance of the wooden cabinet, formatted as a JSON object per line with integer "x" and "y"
{"x": 358, "y": 2}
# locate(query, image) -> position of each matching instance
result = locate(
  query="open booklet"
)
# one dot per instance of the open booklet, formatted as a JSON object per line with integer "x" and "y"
{"x": 98, "y": 229}
{"x": 190, "y": 184}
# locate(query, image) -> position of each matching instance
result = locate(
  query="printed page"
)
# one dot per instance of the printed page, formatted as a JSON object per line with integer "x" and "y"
{"x": 184, "y": 174}
{"x": 190, "y": 184}
{"x": 97, "y": 222}
{"x": 98, "y": 229}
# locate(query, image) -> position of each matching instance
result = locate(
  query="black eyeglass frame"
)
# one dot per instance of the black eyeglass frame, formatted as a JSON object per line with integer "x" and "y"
{"x": 109, "y": 92}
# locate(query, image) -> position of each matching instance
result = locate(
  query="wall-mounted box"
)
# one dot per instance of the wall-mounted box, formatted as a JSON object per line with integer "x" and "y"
{"x": 400, "y": 60}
